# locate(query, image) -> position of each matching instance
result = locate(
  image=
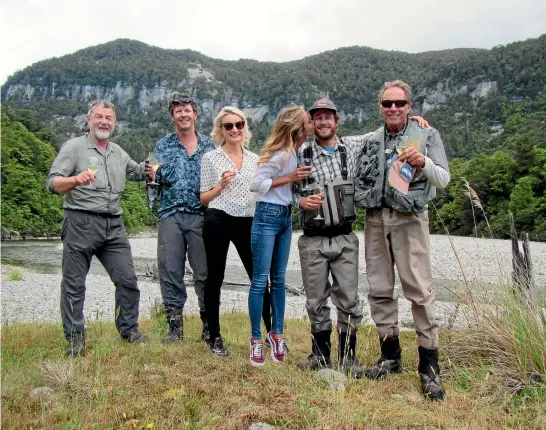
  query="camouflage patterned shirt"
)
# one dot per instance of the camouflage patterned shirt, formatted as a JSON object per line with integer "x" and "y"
{"x": 180, "y": 175}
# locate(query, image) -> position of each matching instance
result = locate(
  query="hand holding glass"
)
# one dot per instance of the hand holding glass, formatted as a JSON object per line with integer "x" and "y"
{"x": 154, "y": 159}
{"x": 93, "y": 165}
{"x": 226, "y": 177}
{"x": 319, "y": 217}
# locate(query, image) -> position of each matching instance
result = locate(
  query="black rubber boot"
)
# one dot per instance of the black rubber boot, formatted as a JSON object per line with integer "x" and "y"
{"x": 320, "y": 355}
{"x": 429, "y": 372}
{"x": 346, "y": 356}
{"x": 390, "y": 361}
{"x": 205, "y": 333}
{"x": 176, "y": 326}
{"x": 76, "y": 346}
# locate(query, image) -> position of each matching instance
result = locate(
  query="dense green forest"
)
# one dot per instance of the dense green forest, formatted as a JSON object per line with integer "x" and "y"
{"x": 495, "y": 140}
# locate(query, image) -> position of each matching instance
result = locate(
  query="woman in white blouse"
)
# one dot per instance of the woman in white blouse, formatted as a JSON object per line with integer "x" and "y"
{"x": 226, "y": 175}
{"x": 272, "y": 226}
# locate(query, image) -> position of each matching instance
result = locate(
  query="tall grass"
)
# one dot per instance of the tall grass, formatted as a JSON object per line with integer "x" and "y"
{"x": 506, "y": 334}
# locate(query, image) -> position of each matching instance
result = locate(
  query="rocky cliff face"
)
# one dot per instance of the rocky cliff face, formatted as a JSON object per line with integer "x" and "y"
{"x": 211, "y": 100}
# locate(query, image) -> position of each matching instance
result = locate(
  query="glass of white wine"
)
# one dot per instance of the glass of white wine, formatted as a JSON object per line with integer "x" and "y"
{"x": 319, "y": 217}
{"x": 154, "y": 160}
{"x": 93, "y": 165}
{"x": 401, "y": 148}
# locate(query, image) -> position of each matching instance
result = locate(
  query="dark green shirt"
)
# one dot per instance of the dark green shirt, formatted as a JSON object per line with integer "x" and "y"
{"x": 103, "y": 195}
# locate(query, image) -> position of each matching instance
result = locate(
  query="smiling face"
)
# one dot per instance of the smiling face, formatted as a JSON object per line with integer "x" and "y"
{"x": 184, "y": 117}
{"x": 395, "y": 117}
{"x": 101, "y": 123}
{"x": 233, "y": 136}
{"x": 325, "y": 124}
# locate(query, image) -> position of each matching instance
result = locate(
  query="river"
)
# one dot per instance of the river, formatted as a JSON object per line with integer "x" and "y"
{"x": 45, "y": 256}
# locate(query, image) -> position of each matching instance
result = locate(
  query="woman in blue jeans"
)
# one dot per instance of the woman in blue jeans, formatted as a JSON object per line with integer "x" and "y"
{"x": 271, "y": 234}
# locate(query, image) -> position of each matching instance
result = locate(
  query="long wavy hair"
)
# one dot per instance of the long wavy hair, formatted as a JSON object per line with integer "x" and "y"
{"x": 289, "y": 126}
{"x": 216, "y": 133}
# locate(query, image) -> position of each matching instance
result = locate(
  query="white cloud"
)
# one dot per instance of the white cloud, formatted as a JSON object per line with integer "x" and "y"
{"x": 281, "y": 30}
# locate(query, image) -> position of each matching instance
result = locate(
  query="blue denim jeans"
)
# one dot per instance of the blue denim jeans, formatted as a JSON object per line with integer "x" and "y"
{"x": 270, "y": 239}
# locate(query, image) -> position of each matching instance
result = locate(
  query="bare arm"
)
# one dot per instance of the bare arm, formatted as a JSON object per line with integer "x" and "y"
{"x": 207, "y": 196}
{"x": 62, "y": 185}
{"x": 264, "y": 181}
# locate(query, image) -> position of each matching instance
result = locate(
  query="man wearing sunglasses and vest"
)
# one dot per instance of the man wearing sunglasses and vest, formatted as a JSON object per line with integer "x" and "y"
{"x": 328, "y": 246}
{"x": 181, "y": 214}
{"x": 400, "y": 168}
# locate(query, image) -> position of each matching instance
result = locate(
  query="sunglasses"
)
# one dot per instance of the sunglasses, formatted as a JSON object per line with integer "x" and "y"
{"x": 397, "y": 103}
{"x": 180, "y": 100}
{"x": 228, "y": 126}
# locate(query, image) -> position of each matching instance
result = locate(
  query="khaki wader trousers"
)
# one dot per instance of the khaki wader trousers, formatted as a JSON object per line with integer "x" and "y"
{"x": 391, "y": 238}
{"x": 320, "y": 256}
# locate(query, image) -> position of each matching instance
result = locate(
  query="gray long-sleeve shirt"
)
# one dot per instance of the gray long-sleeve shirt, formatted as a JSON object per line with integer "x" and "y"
{"x": 103, "y": 195}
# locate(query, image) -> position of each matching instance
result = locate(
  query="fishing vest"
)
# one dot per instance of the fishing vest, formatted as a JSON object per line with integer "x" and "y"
{"x": 372, "y": 190}
{"x": 338, "y": 207}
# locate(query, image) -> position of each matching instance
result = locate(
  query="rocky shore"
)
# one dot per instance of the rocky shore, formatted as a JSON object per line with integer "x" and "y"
{"x": 36, "y": 296}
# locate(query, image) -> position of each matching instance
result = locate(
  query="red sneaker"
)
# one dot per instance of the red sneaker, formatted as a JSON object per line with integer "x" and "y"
{"x": 256, "y": 353}
{"x": 278, "y": 352}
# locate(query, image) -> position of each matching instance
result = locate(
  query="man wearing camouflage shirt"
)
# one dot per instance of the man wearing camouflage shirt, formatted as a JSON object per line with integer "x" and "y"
{"x": 400, "y": 168}
{"x": 181, "y": 214}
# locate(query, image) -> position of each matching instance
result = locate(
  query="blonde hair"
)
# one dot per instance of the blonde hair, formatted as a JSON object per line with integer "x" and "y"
{"x": 398, "y": 84}
{"x": 289, "y": 125}
{"x": 216, "y": 132}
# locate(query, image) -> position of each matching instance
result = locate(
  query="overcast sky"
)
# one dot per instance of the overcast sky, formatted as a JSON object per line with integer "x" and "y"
{"x": 276, "y": 30}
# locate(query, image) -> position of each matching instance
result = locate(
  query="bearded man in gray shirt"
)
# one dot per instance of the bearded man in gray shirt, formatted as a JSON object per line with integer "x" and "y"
{"x": 90, "y": 171}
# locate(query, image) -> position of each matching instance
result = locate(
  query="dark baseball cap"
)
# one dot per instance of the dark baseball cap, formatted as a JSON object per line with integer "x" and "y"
{"x": 323, "y": 104}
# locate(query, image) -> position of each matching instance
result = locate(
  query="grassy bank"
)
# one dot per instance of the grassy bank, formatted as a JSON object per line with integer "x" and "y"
{"x": 123, "y": 386}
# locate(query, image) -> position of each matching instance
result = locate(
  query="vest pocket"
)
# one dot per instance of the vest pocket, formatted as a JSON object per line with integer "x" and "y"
{"x": 348, "y": 201}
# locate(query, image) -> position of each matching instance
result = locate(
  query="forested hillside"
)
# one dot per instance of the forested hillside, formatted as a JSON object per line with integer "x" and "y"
{"x": 489, "y": 106}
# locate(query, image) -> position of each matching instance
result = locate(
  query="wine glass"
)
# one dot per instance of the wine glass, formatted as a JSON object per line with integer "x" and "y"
{"x": 307, "y": 162}
{"x": 154, "y": 159}
{"x": 401, "y": 148}
{"x": 93, "y": 165}
{"x": 319, "y": 217}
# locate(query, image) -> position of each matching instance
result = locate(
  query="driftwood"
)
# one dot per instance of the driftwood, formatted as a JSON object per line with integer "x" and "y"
{"x": 522, "y": 266}
{"x": 153, "y": 274}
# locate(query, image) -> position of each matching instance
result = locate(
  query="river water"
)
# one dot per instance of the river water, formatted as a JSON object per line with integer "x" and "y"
{"x": 45, "y": 256}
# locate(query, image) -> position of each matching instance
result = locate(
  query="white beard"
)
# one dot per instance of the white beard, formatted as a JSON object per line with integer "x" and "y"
{"x": 102, "y": 134}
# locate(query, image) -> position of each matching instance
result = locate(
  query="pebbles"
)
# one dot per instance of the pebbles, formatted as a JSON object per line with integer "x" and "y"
{"x": 453, "y": 257}
{"x": 36, "y": 296}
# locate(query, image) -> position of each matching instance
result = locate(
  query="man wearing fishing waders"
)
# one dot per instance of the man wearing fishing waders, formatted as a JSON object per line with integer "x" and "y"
{"x": 400, "y": 168}
{"x": 90, "y": 171}
{"x": 328, "y": 245}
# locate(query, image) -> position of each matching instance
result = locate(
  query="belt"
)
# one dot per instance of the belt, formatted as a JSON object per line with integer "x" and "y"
{"x": 330, "y": 231}
{"x": 97, "y": 214}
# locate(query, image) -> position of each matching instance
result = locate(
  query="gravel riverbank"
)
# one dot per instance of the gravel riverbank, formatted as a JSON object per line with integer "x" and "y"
{"x": 36, "y": 296}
